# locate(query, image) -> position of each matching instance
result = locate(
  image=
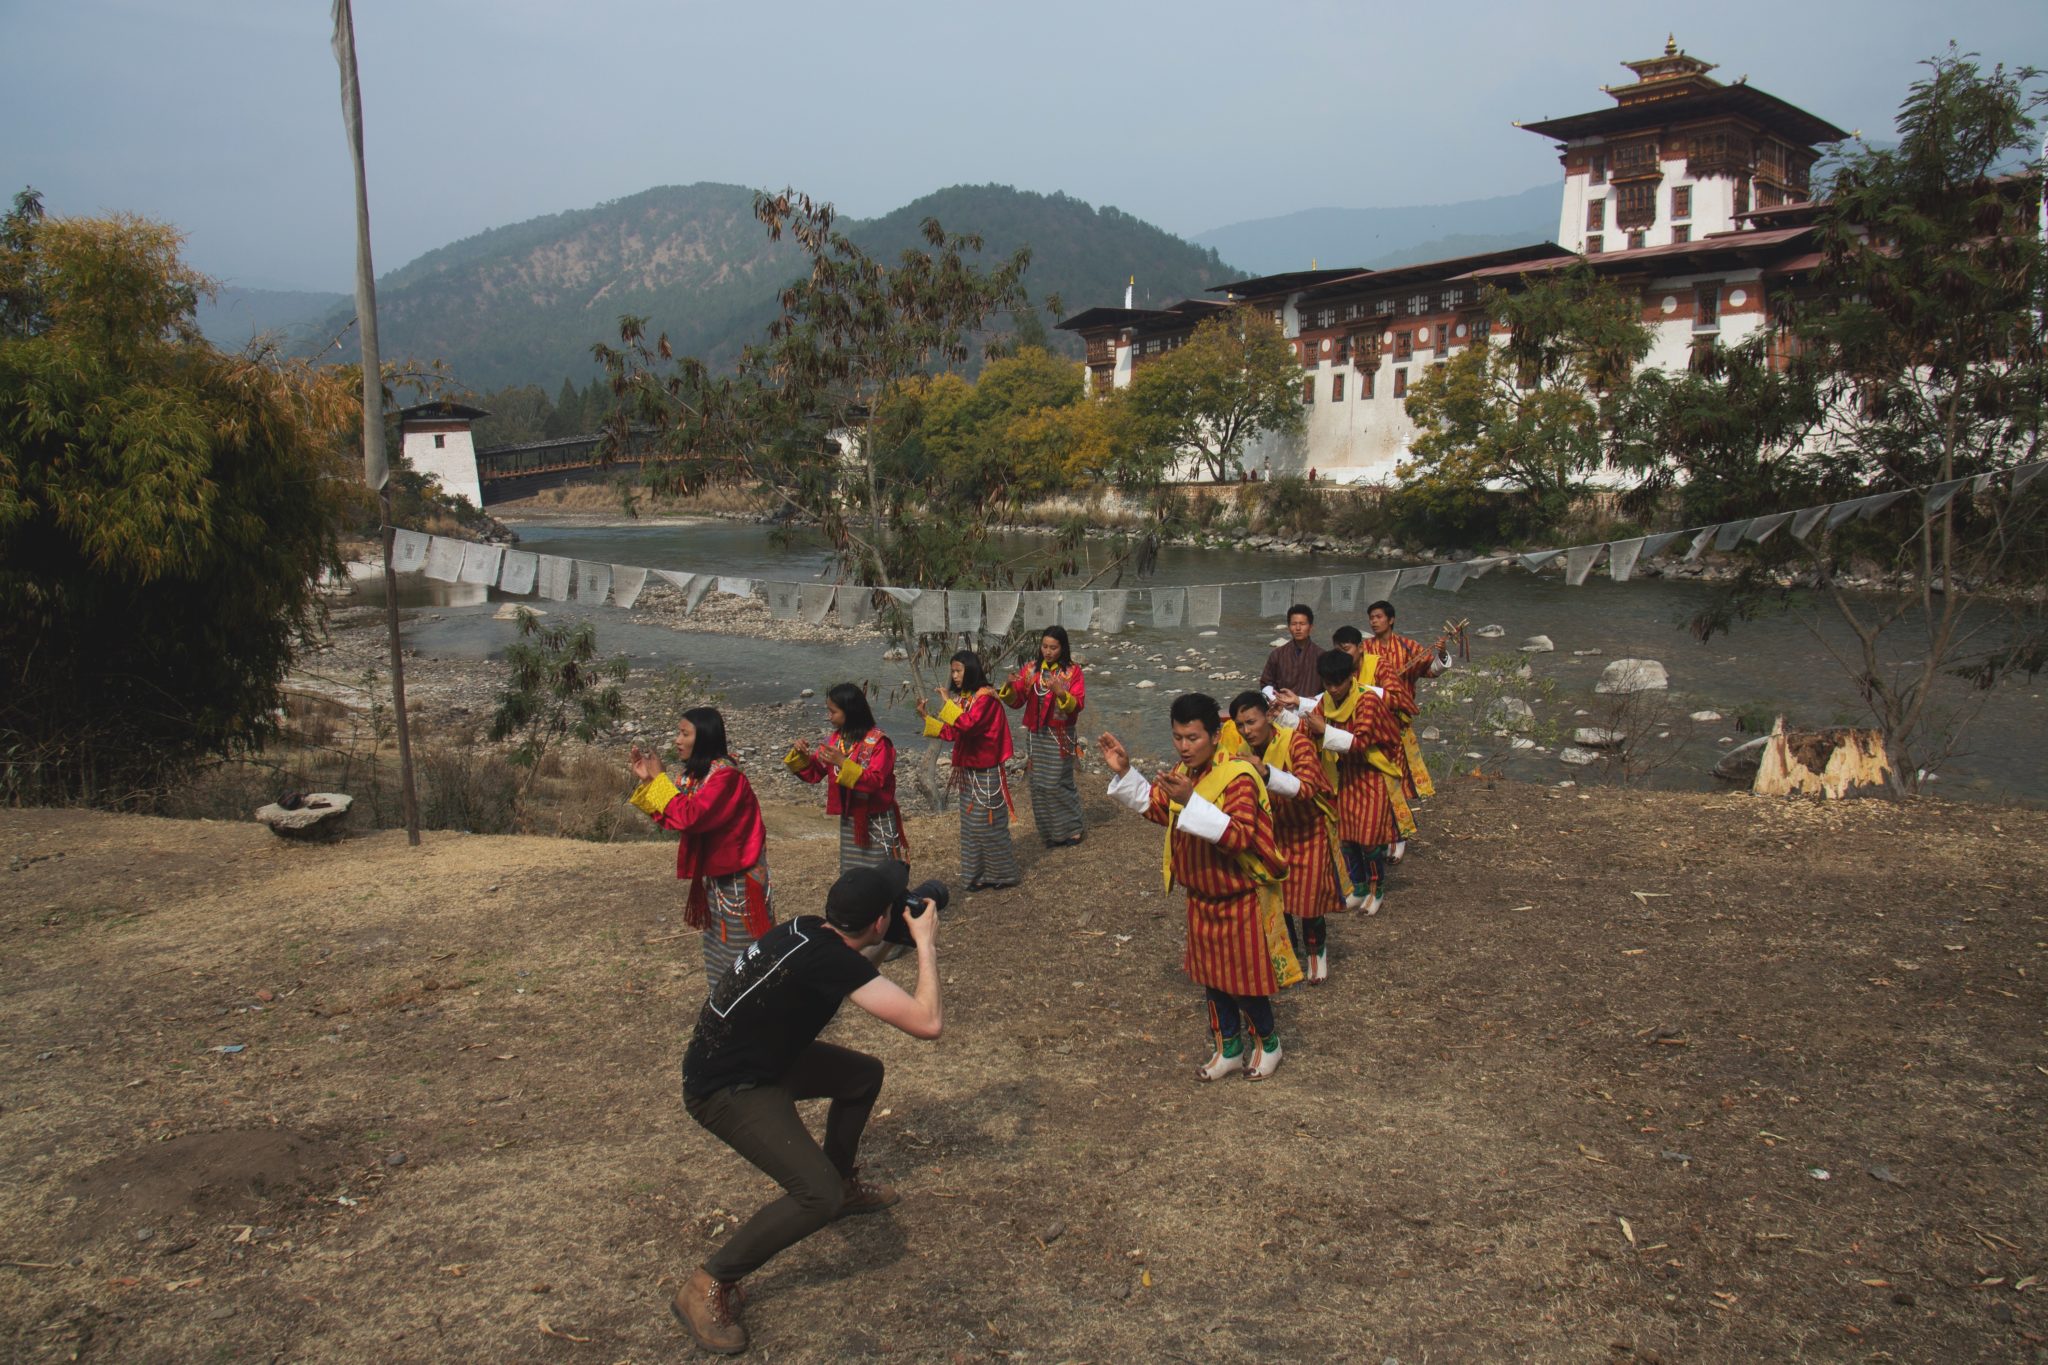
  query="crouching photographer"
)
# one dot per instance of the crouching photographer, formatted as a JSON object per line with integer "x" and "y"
{"x": 755, "y": 1053}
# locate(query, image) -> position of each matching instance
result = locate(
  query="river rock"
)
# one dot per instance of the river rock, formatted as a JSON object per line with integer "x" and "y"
{"x": 1537, "y": 644}
{"x": 1429, "y": 732}
{"x": 1740, "y": 763}
{"x": 1147, "y": 683}
{"x": 1277, "y": 643}
{"x": 1510, "y": 713}
{"x": 1490, "y": 632}
{"x": 1598, "y": 737}
{"x": 509, "y": 611}
{"x": 1586, "y": 653}
{"x": 321, "y": 816}
{"x": 1633, "y": 675}
{"x": 1576, "y": 756}
{"x": 1207, "y": 634}
{"x": 1521, "y": 742}
{"x": 895, "y": 653}
{"x": 1706, "y": 717}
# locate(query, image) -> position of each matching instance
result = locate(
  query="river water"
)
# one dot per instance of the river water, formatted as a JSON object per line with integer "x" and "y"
{"x": 1780, "y": 664}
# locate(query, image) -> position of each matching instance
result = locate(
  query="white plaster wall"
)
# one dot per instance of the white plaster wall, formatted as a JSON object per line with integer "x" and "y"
{"x": 1571, "y": 223}
{"x": 452, "y": 465}
{"x": 1121, "y": 378}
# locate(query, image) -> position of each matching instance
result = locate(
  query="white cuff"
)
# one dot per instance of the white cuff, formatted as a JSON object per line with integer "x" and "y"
{"x": 1132, "y": 791}
{"x": 1203, "y": 820}
{"x": 1439, "y": 665}
{"x": 1271, "y": 695}
{"x": 1280, "y": 782}
{"x": 1337, "y": 740}
{"x": 1377, "y": 691}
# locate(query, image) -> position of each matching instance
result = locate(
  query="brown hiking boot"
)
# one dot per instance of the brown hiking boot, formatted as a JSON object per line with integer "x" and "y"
{"x": 710, "y": 1310}
{"x": 863, "y": 1197}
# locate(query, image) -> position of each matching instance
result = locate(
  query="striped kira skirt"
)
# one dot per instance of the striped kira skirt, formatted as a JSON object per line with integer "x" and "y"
{"x": 1055, "y": 800}
{"x": 726, "y": 936}
{"x": 986, "y": 855}
{"x": 885, "y": 842}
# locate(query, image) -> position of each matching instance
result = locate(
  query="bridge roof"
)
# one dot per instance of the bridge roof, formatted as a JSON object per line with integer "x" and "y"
{"x": 441, "y": 410}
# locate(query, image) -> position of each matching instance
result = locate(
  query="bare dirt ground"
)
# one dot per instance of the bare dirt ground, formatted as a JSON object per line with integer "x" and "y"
{"x": 1615, "y": 1076}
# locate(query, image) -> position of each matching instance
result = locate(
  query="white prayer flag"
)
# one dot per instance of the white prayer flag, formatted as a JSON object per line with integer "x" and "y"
{"x": 1700, "y": 543}
{"x": 963, "y": 612}
{"x": 676, "y": 579}
{"x": 1309, "y": 592}
{"x": 1480, "y": 568}
{"x": 1040, "y": 609}
{"x": 1416, "y": 576}
{"x": 480, "y": 564}
{"x": 782, "y": 601}
{"x": 736, "y": 587}
{"x": 1110, "y": 606}
{"x": 1982, "y": 483}
{"x": 1877, "y": 502}
{"x": 593, "y": 582}
{"x": 1762, "y": 528}
{"x": 1377, "y": 587}
{"x": 1275, "y": 597}
{"x": 700, "y": 588}
{"x": 1449, "y": 577}
{"x": 1536, "y": 560}
{"x": 1205, "y": 607}
{"x": 1621, "y": 558}
{"x": 1344, "y": 593}
{"x": 1806, "y": 519}
{"x": 1579, "y": 561}
{"x": 517, "y": 574}
{"x": 999, "y": 610}
{"x": 815, "y": 602}
{"x": 928, "y": 612}
{"x": 1077, "y": 610}
{"x": 1942, "y": 494}
{"x": 1842, "y": 511}
{"x": 1657, "y": 544}
{"x": 2025, "y": 475}
{"x": 1728, "y": 535}
{"x": 444, "y": 560}
{"x": 409, "y": 550}
{"x": 556, "y": 574}
{"x": 627, "y": 583}
{"x": 856, "y": 604}
{"x": 1168, "y": 607}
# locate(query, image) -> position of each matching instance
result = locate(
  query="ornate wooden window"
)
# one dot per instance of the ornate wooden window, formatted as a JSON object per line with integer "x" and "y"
{"x": 1400, "y": 383}
{"x": 1418, "y": 304}
{"x": 1308, "y": 390}
{"x": 1638, "y": 240}
{"x": 1337, "y": 387}
{"x": 1682, "y": 233}
{"x": 1365, "y": 383}
{"x": 1326, "y": 318}
{"x": 1635, "y": 159}
{"x": 1384, "y": 308}
{"x": 1681, "y": 201}
{"x": 1635, "y": 206}
{"x": 1595, "y": 244}
{"x": 1443, "y": 338}
{"x": 1706, "y": 308}
{"x": 1451, "y": 299}
{"x": 1596, "y": 168}
{"x": 1596, "y": 214}
{"x": 1404, "y": 344}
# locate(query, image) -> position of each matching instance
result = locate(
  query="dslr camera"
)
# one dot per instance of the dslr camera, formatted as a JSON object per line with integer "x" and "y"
{"x": 912, "y": 906}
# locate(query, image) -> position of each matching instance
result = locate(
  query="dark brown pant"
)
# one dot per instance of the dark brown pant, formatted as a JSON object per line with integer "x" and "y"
{"x": 761, "y": 1123}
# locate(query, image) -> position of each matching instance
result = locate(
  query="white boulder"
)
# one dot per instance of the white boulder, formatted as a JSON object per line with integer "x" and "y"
{"x": 1598, "y": 737}
{"x": 1633, "y": 675}
{"x": 1537, "y": 644}
{"x": 1576, "y": 756}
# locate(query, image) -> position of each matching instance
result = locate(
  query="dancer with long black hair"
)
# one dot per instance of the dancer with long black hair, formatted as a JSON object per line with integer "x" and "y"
{"x": 1052, "y": 693}
{"x": 858, "y": 763}
{"x": 723, "y": 852}
{"x": 972, "y": 720}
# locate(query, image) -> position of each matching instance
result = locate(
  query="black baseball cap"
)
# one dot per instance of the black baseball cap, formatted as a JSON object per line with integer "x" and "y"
{"x": 863, "y": 893}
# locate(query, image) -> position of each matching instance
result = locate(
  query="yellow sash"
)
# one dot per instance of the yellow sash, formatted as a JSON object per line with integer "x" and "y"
{"x": 1272, "y": 918}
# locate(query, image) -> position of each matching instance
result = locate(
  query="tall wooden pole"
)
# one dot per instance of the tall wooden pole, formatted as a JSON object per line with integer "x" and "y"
{"x": 376, "y": 468}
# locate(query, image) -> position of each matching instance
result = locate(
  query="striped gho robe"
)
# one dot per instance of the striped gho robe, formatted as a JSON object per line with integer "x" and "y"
{"x": 1365, "y": 806}
{"x": 1301, "y": 823}
{"x": 1227, "y": 944}
{"x": 861, "y": 791}
{"x": 1050, "y": 748}
{"x": 1403, "y": 662}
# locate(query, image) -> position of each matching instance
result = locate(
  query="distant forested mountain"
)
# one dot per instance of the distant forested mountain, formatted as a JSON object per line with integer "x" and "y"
{"x": 524, "y": 303}
{"x": 1384, "y": 237}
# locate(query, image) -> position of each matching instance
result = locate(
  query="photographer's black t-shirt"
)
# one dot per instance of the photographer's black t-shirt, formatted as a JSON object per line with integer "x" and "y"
{"x": 771, "y": 1006}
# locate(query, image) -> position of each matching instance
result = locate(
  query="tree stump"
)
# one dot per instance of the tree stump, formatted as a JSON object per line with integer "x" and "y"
{"x": 1833, "y": 763}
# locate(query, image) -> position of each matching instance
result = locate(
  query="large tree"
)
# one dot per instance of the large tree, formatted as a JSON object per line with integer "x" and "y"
{"x": 1916, "y": 358}
{"x": 165, "y": 510}
{"x": 1527, "y": 411}
{"x": 1236, "y": 379}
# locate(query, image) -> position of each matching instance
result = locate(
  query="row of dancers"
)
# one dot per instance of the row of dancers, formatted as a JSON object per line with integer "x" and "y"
{"x": 1289, "y": 806}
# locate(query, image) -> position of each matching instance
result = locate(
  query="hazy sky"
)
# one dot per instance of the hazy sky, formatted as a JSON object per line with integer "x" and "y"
{"x": 223, "y": 117}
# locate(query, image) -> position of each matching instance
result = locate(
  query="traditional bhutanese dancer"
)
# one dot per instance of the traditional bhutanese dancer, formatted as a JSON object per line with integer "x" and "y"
{"x": 1358, "y": 733}
{"x": 860, "y": 763}
{"x": 1304, "y": 822}
{"x": 724, "y": 849}
{"x": 1052, "y": 692}
{"x": 973, "y": 721}
{"x": 1403, "y": 663}
{"x": 1352, "y": 642}
{"x": 1220, "y": 847}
